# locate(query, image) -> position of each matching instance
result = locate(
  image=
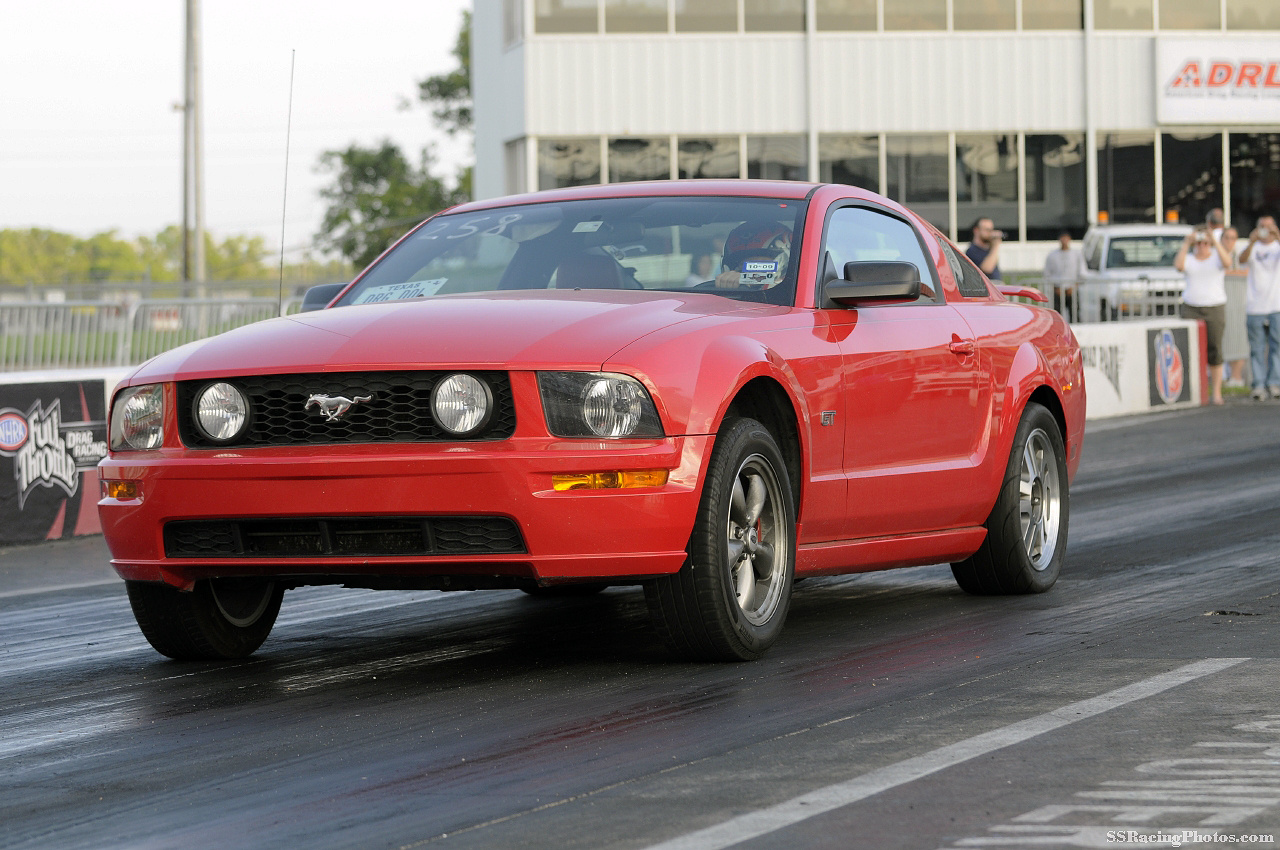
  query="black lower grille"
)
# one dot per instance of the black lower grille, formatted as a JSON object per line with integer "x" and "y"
{"x": 389, "y": 407}
{"x": 342, "y": 537}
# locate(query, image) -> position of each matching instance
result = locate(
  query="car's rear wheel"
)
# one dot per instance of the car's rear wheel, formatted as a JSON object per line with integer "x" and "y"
{"x": 1027, "y": 529}
{"x": 731, "y": 597}
{"x": 219, "y": 619}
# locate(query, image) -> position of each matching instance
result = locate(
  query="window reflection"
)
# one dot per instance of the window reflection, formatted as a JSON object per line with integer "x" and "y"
{"x": 846, "y": 14}
{"x": 1127, "y": 176}
{"x": 917, "y": 175}
{"x": 1122, "y": 14}
{"x": 1253, "y": 14}
{"x": 777, "y": 157}
{"x": 566, "y": 16}
{"x": 1055, "y": 178}
{"x": 915, "y": 15}
{"x": 1255, "y": 178}
{"x": 568, "y": 162}
{"x": 706, "y": 15}
{"x": 708, "y": 158}
{"x": 987, "y": 180}
{"x": 635, "y": 15}
{"x": 1192, "y": 173}
{"x": 983, "y": 14}
{"x": 639, "y": 159}
{"x": 1052, "y": 14}
{"x": 773, "y": 15}
{"x": 853, "y": 160}
{"x": 1189, "y": 15}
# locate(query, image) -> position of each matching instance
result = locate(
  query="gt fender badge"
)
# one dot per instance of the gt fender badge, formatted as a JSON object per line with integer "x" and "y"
{"x": 334, "y": 407}
{"x": 828, "y": 417}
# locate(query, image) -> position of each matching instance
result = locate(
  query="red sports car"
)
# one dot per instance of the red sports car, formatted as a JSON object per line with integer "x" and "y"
{"x": 710, "y": 389}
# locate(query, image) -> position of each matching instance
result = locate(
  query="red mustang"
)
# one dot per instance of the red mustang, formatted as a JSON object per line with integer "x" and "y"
{"x": 551, "y": 392}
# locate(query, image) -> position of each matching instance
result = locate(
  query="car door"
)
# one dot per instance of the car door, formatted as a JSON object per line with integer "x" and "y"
{"x": 912, "y": 380}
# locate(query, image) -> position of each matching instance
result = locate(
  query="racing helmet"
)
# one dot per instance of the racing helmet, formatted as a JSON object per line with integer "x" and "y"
{"x": 754, "y": 239}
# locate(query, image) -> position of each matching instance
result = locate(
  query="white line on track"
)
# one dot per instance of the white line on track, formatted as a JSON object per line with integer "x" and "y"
{"x": 797, "y": 809}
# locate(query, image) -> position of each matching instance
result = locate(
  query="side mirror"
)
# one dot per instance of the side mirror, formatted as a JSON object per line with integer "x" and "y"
{"x": 875, "y": 282}
{"x": 318, "y": 297}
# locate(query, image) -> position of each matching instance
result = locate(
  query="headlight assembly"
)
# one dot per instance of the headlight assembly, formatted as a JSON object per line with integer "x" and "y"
{"x": 597, "y": 404}
{"x": 137, "y": 419}
{"x": 462, "y": 404}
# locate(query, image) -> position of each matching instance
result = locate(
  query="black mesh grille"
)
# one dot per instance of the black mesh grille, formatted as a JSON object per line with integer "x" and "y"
{"x": 360, "y": 536}
{"x": 398, "y": 409}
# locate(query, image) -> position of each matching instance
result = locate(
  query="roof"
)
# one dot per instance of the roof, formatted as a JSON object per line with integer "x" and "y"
{"x": 784, "y": 189}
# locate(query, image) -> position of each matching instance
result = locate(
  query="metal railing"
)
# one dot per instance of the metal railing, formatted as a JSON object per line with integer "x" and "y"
{"x": 72, "y": 334}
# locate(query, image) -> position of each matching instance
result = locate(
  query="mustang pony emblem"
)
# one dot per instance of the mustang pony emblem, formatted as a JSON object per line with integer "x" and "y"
{"x": 334, "y": 407}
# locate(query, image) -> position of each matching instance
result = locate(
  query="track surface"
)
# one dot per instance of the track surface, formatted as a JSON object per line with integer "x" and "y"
{"x": 1140, "y": 695}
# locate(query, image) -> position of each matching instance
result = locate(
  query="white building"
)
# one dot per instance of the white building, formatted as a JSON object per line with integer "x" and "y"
{"x": 1042, "y": 114}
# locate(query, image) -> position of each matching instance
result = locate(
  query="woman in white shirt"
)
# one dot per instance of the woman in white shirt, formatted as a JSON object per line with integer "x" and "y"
{"x": 1204, "y": 263}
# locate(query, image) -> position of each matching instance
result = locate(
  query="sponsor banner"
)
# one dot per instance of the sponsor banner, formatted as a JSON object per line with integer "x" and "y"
{"x": 1218, "y": 80}
{"x": 52, "y": 436}
{"x": 1136, "y": 367}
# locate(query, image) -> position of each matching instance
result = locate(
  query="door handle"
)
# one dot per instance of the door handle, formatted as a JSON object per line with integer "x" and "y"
{"x": 963, "y": 347}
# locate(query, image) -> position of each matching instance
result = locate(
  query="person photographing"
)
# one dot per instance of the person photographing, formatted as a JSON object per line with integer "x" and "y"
{"x": 1204, "y": 263}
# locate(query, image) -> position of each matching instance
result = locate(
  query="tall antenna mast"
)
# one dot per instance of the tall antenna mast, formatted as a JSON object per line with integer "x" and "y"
{"x": 284, "y": 204}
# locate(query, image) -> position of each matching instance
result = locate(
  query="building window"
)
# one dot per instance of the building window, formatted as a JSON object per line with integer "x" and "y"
{"x": 915, "y": 15}
{"x": 777, "y": 157}
{"x": 706, "y": 15}
{"x": 984, "y": 14}
{"x": 1189, "y": 15}
{"x": 632, "y": 159}
{"x": 635, "y": 15}
{"x": 708, "y": 158}
{"x": 1127, "y": 177}
{"x": 1255, "y": 178}
{"x": 1192, "y": 165}
{"x": 845, "y": 15}
{"x": 514, "y": 167}
{"x": 773, "y": 15}
{"x": 553, "y": 16}
{"x": 853, "y": 160}
{"x": 568, "y": 162}
{"x": 917, "y": 175}
{"x": 1055, "y": 177}
{"x": 1253, "y": 15}
{"x": 1052, "y": 14}
{"x": 1122, "y": 14}
{"x": 987, "y": 180}
{"x": 512, "y": 22}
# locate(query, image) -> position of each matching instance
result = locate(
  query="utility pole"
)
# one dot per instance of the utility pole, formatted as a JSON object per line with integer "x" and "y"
{"x": 193, "y": 261}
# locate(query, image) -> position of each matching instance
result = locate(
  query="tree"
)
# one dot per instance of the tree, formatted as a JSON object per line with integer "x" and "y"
{"x": 450, "y": 94}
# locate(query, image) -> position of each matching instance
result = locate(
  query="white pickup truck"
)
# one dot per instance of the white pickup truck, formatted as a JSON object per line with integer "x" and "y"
{"x": 1130, "y": 270}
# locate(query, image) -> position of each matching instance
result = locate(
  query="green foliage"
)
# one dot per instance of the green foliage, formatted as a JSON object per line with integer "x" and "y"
{"x": 450, "y": 94}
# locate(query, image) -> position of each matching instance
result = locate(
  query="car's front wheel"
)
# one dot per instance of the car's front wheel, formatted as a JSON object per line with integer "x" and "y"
{"x": 1027, "y": 529}
{"x": 729, "y": 600}
{"x": 219, "y": 619}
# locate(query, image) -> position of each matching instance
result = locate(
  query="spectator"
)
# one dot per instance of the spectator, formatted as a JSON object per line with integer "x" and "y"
{"x": 1203, "y": 263}
{"x": 699, "y": 270}
{"x": 1063, "y": 269}
{"x": 984, "y": 250}
{"x": 1262, "y": 307}
{"x": 1233, "y": 373}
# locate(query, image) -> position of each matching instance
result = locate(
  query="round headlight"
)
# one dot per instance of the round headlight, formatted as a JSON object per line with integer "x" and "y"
{"x": 461, "y": 404}
{"x": 222, "y": 412}
{"x": 612, "y": 408}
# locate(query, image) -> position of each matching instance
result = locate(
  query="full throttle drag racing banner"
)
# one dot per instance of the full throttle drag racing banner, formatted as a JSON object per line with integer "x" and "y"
{"x": 52, "y": 436}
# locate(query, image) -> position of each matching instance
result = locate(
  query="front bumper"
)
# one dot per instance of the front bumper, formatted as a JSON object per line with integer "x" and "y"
{"x": 569, "y": 535}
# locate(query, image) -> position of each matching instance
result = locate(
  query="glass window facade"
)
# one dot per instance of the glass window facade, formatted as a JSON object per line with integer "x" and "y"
{"x": 917, "y": 175}
{"x": 558, "y": 16}
{"x": 1127, "y": 177}
{"x": 1123, "y": 15}
{"x": 1054, "y": 173}
{"x": 635, "y": 15}
{"x": 1190, "y": 15}
{"x": 984, "y": 14}
{"x": 1192, "y": 178}
{"x": 987, "y": 181}
{"x": 714, "y": 157}
{"x": 1052, "y": 14}
{"x": 1255, "y": 178}
{"x": 915, "y": 15}
{"x": 773, "y": 15}
{"x": 845, "y": 15}
{"x": 854, "y": 160}
{"x": 706, "y": 15}
{"x": 1253, "y": 15}
{"x": 778, "y": 157}
{"x": 632, "y": 159}
{"x": 568, "y": 162}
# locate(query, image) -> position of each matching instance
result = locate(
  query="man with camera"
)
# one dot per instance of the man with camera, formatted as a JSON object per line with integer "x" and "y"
{"x": 1262, "y": 307}
{"x": 984, "y": 250}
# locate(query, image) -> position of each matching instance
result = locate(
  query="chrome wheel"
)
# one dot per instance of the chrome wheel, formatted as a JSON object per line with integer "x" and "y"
{"x": 757, "y": 531}
{"x": 1039, "y": 500}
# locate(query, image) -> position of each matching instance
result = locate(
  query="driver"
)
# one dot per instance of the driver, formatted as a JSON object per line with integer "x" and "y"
{"x": 755, "y": 256}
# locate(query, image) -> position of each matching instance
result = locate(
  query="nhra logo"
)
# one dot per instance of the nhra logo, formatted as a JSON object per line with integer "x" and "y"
{"x": 39, "y": 450}
{"x": 1167, "y": 366}
{"x": 1226, "y": 77}
{"x": 13, "y": 431}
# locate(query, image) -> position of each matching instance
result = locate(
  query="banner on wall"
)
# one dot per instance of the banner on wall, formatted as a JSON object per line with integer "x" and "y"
{"x": 52, "y": 436}
{"x": 1217, "y": 80}
{"x": 1140, "y": 366}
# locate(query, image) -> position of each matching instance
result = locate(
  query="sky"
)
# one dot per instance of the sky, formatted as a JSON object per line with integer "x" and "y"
{"x": 90, "y": 139}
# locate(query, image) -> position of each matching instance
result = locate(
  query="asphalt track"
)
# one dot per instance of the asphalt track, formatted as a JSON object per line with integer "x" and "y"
{"x": 1139, "y": 698}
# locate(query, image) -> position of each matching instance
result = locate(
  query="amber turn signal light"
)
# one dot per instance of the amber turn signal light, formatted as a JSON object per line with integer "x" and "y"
{"x": 123, "y": 490}
{"x": 610, "y": 480}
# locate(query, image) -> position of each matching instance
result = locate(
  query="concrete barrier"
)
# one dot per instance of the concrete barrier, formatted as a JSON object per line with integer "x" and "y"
{"x": 1138, "y": 367}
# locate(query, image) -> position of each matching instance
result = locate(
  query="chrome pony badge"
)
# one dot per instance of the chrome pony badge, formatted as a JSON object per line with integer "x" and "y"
{"x": 334, "y": 407}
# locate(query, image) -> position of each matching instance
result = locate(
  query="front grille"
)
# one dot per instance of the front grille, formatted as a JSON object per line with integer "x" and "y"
{"x": 348, "y": 536}
{"x": 398, "y": 412}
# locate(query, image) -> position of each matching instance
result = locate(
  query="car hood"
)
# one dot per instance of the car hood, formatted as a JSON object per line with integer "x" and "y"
{"x": 526, "y": 330}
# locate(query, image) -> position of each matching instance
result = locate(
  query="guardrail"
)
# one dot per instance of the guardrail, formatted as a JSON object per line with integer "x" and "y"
{"x": 74, "y": 334}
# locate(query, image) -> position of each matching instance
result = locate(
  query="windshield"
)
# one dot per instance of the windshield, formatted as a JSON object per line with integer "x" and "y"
{"x": 1131, "y": 252}
{"x": 740, "y": 248}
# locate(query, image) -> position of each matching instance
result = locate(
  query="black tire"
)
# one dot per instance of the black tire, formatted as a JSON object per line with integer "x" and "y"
{"x": 220, "y": 619}
{"x": 729, "y": 600}
{"x": 1027, "y": 531}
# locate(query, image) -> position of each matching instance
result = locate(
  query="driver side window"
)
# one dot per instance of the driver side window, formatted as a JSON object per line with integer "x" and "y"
{"x": 856, "y": 234}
